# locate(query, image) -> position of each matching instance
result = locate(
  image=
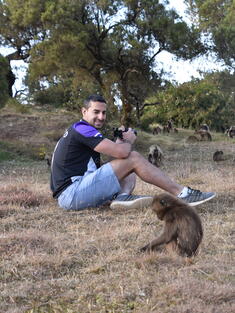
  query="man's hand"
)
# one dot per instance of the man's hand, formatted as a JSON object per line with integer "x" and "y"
{"x": 129, "y": 136}
{"x": 119, "y": 149}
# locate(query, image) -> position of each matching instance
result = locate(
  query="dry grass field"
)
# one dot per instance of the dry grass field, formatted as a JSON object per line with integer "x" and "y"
{"x": 54, "y": 261}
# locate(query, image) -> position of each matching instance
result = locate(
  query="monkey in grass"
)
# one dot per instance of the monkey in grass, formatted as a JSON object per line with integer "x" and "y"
{"x": 155, "y": 155}
{"x": 183, "y": 228}
{"x": 218, "y": 156}
{"x": 204, "y": 135}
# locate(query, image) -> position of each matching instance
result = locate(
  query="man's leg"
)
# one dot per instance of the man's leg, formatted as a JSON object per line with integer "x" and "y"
{"x": 138, "y": 165}
{"x": 128, "y": 183}
{"x": 91, "y": 190}
{"x": 153, "y": 175}
{"x": 146, "y": 171}
{"x": 125, "y": 199}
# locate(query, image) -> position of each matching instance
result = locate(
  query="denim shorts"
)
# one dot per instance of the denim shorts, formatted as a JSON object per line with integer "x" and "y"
{"x": 91, "y": 190}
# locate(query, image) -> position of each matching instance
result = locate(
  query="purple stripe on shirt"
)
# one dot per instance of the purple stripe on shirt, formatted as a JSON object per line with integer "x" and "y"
{"x": 86, "y": 129}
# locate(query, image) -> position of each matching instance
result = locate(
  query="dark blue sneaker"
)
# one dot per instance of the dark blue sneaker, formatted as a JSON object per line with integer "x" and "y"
{"x": 131, "y": 202}
{"x": 196, "y": 197}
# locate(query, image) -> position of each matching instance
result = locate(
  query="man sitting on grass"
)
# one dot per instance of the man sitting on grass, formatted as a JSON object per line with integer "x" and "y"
{"x": 79, "y": 182}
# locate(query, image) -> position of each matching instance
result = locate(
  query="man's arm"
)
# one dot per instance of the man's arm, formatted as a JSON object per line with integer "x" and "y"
{"x": 119, "y": 149}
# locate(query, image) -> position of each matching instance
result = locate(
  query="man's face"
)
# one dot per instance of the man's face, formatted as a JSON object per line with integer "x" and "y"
{"x": 95, "y": 115}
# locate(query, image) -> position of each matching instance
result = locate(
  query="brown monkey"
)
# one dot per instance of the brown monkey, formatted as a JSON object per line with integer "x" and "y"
{"x": 192, "y": 139}
{"x": 204, "y": 134}
{"x": 157, "y": 130}
{"x": 183, "y": 228}
{"x": 48, "y": 159}
{"x": 165, "y": 129}
{"x": 218, "y": 156}
{"x": 155, "y": 155}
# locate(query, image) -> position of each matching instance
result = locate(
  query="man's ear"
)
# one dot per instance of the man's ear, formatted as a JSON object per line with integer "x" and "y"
{"x": 83, "y": 110}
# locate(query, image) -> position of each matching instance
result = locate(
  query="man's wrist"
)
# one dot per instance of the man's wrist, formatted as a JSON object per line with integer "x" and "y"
{"x": 126, "y": 141}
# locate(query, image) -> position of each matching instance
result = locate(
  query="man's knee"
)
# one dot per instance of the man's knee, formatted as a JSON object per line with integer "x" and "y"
{"x": 136, "y": 158}
{"x": 135, "y": 155}
{"x": 123, "y": 167}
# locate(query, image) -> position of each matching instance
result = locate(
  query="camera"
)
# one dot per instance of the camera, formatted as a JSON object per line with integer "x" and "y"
{"x": 118, "y": 133}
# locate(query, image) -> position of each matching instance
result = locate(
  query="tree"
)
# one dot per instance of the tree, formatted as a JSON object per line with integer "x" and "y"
{"x": 7, "y": 79}
{"x": 216, "y": 18}
{"x": 210, "y": 100}
{"x": 111, "y": 46}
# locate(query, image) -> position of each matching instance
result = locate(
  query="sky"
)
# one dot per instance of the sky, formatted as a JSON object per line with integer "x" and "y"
{"x": 181, "y": 71}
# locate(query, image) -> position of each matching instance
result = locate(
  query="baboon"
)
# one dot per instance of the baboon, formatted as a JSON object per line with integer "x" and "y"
{"x": 204, "y": 134}
{"x": 48, "y": 159}
{"x": 165, "y": 129}
{"x": 157, "y": 130}
{"x": 231, "y": 132}
{"x": 175, "y": 130}
{"x": 154, "y": 131}
{"x": 204, "y": 127}
{"x": 170, "y": 124}
{"x": 183, "y": 228}
{"x": 218, "y": 156}
{"x": 155, "y": 155}
{"x": 192, "y": 139}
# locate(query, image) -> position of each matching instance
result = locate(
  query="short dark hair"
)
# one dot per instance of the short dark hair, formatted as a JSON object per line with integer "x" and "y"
{"x": 94, "y": 98}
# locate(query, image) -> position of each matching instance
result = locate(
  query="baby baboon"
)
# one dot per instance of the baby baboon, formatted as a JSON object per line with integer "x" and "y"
{"x": 155, "y": 155}
{"x": 183, "y": 228}
{"x": 218, "y": 156}
{"x": 175, "y": 130}
{"x": 192, "y": 139}
{"x": 204, "y": 134}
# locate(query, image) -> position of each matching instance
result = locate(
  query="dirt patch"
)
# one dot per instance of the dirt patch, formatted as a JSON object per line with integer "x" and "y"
{"x": 37, "y": 132}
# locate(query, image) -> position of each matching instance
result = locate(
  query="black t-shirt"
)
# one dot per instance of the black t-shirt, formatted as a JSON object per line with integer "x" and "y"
{"x": 73, "y": 155}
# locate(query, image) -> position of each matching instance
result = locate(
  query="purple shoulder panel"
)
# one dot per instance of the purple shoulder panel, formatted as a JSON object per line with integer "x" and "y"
{"x": 86, "y": 129}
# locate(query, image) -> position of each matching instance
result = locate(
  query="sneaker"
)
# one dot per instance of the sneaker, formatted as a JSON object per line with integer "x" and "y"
{"x": 131, "y": 202}
{"x": 196, "y": 197}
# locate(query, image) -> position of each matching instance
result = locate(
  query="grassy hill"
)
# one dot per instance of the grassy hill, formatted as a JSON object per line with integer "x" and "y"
{"x": 54, "y": 261}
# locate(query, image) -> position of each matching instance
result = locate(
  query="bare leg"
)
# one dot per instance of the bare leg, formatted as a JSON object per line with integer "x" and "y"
{"x": 128, "y": 184}
{"x": 146, "y": 171}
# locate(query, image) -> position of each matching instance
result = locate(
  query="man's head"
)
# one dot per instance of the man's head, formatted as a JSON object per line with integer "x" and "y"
{"x": 94, "y": 111}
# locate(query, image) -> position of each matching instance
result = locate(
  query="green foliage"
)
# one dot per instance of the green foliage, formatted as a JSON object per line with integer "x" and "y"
{"x": 4, "y": 90}
{"x": 14, "y": 105}
{"x": 54, "y": 95}
{"x": 6, "y": 152}
{"x": 216, "y": 17}
{"x": 97, "y": 47}
{"x": 5, "y": 155}
{"x": 194, "y": 103}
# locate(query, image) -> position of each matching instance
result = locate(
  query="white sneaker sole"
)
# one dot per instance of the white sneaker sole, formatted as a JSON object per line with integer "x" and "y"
{"x": 134, "y": 204}
{"x": 201, "y": 201}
